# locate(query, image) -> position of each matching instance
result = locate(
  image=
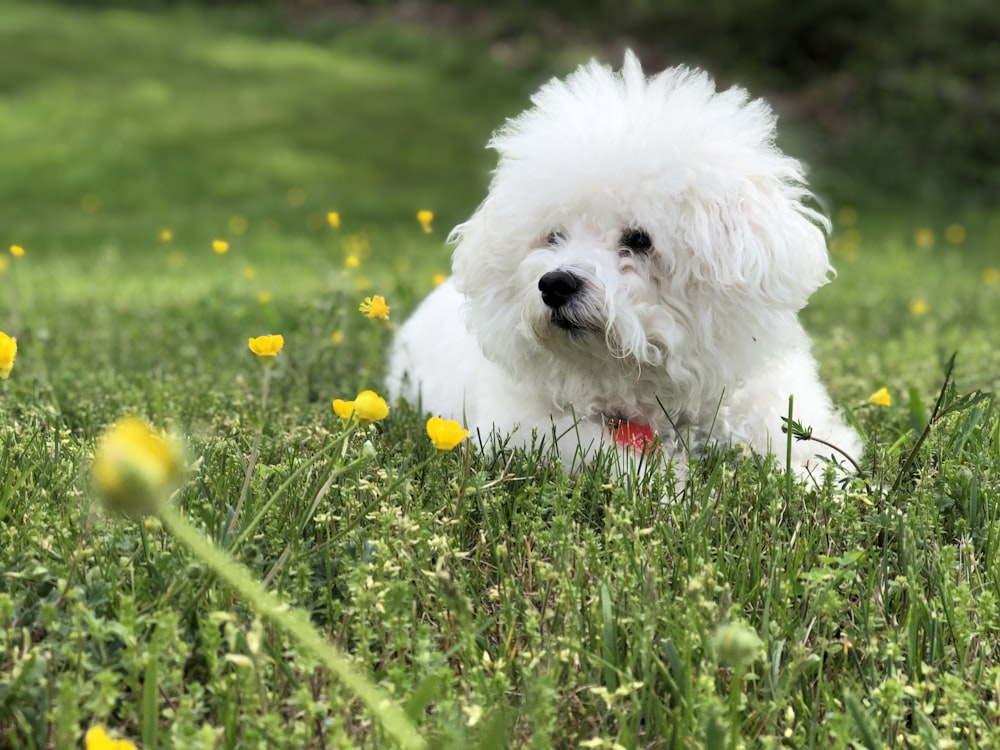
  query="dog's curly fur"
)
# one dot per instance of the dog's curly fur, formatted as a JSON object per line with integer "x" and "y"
{"x": 642, "y": 255}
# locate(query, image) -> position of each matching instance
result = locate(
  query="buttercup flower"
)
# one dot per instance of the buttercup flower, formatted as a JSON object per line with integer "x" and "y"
{"x": 8, "y": 352}
{"x": 370, "y": 407}
{"x": 136, "y": 466}
{"x": 97, "y": 739}
{"x": 333, "y": 219}
{"x": 367, "y": 407}
{"x": 267, "y": 347}
{"x": 881, "y": 397}
{"x": 439, "y": 279}
{"x": 352, "y": 261}
{"x": 265, "y": 298}
{"x": 220, "y": 247}
{"x": 425, "y": 218}
{"x": 90, "y": 203}
{"x": 16, "y": 250}
{"x": 238, "y": 224}
{"x": 357, "y": 244}
{"x": 990, "y": 275}
{"x": 923, "y": 237}
{"x": 919, "y": 307}
{"x": 166, "y": 235}
{"x": 375, "y": 308}
{"x": 445, "y": 433}
{"x": 954, "y": 234}
{"x": 343, "y": 409}
{"x": 847, "y": 216}
{"x": 337, "y": 337}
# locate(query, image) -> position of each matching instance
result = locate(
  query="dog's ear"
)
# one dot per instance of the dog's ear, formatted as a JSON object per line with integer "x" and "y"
{"x": 761, "y": 240}
{"x": 473, "y": 254}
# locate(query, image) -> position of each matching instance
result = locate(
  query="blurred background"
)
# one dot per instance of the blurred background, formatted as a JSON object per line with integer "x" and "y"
{"x": 137, "y": 133}
{"x": 897, "y": 100}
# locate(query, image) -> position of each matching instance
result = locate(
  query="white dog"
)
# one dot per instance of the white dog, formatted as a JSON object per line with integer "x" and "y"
{"x": 636, "y": 270}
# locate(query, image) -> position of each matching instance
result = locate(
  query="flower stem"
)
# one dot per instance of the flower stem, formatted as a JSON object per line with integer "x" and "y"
{"x": 296, "y": 624}
{"x": 252, "y": 461}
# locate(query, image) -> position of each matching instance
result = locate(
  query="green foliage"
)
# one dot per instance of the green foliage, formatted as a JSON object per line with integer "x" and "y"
{"x": 499, "y": 601}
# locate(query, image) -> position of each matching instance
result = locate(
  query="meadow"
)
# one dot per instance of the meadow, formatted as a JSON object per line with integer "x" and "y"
{"x": 182, "y": 181}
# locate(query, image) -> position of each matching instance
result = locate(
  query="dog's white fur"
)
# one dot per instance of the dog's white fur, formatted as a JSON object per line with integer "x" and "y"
{"x": 697, "y": 338}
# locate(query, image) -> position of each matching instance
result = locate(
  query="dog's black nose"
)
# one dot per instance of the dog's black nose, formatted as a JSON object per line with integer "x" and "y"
{"x": 558, "y": 288}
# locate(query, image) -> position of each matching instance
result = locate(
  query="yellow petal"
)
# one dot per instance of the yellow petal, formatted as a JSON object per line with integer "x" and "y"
{"x": 8, "y": 353}
{"x": 97, "y": 739}
{"x": 267, "y": 346}
{"x": 445, "y": 434}
{"x": 370, "y": 407}
{"x": 375, "y": 307}
{"x": 881, "y": 397}
{"x": 343, "y": 409}
{"x": 135, "y": 466}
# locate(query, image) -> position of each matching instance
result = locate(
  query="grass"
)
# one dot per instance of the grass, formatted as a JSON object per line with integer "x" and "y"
{"x": 497, "y": 601}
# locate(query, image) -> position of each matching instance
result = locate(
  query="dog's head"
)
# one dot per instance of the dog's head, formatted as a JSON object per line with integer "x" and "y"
{"x": 639, "y": 228}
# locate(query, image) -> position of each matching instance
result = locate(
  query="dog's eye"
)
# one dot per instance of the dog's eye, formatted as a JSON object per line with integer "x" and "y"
{"x": 554, "y": 237}
{"x": 637, "y": 240}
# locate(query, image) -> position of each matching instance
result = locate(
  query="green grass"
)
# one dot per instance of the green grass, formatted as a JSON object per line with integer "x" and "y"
{"x": 497, "y": 600}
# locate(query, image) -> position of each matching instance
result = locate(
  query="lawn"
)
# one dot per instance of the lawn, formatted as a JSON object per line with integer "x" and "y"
{"x": 493, "y": 601}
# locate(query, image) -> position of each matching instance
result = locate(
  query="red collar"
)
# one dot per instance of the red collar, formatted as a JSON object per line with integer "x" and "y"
{"x": 631, "y": 434}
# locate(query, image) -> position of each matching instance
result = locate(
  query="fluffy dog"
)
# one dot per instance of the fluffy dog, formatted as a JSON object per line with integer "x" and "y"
{"x": 635, "y": 270}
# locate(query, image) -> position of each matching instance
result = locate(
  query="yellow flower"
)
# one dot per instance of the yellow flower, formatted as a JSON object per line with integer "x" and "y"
{"x": 16, "y": 250}
{"x": 333, "y": 219}
{"x": 990, "y": 275}
{"x": 4, "y": 263}
{"x": 425, "y": 218}
{"x": 923, "y": 237}
{"x": 220, "y": 247}
{"x": 370, "y": 407}
{"x": 445, "y": 433}
{"x": 375, "y": 308}
{"x": 367, "y": 407}
{"x": 249, "y": 273}
{"x": 8, "y": 353}
{"x": 439, "y": 279}
{"x": 136, "y": 466}
{"x": 919, "y": 307}
{"x": 238, "y": 224}
{"x": 265, "y": 298}
{"x": 90, "y": 203}
{"x": 357, "y": 244}
{"x": 337, "y": 337}
{"x": 97, "y": 739}
{"x": 954, "y": 234}
{"x": 343, "y": 409}
{"x": 267, "y": 347}
{"x": 352, "y": 261}
{"x": 847, "y": 216}
{"x": 166, "y": 235}
{"x": 881, "y": 397}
